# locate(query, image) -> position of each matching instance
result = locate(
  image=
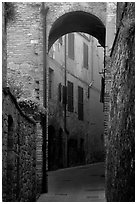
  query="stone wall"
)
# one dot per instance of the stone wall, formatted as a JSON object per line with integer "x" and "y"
{"x": 25, "y": 41}
{"x": 33, "y": 109}
{"x": 120, "y": 137}
{"x": 18, "y": 152}
{"x": 39, "y": 158}
{"x": 25, "y": 58}
{"x": 24, "y": 50}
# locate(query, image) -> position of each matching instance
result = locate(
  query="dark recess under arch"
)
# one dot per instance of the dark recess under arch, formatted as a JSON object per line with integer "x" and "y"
{"x": 77, "y": 21}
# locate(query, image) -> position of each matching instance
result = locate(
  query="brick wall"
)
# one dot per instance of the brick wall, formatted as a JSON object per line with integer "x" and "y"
{"x": 25, "y": 41}
{"x": 120, "y": 141}
{"x": 24, "y": 49}
{"x": 18, "y": 152}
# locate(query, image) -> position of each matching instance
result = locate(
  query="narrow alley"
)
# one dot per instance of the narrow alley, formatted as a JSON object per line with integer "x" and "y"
{"x": 68, "y": 101}
{"x": 77, "y": 184}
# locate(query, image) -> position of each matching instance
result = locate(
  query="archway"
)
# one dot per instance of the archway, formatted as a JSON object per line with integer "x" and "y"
{"x": 77, "y": 21}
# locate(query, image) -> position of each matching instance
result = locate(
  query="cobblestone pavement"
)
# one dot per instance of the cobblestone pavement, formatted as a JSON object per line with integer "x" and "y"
{"x": 78, "y": 184}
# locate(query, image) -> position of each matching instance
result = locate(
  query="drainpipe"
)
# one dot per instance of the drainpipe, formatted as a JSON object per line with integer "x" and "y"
{"x": 45, "y": 120}
{"x": 65, "y": 105}
{"x": 44, "y": 12}
{"x": 104, "y": 75}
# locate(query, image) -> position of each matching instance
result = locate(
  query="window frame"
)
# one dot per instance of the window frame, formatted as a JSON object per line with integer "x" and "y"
{"x": 85, "y": 55}
{"x": 80, "y": 103}
{"x": 71, "y": 46}
{"x": 70, "y": 96}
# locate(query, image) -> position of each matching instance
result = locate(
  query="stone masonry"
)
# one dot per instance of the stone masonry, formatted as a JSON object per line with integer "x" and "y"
{"x": 25, "y": 60}
{"x": 25, "y": 41}
{"x": 120, "y": 131}
{"x": 18, "y": 152}
{"x": 25, "y": 48}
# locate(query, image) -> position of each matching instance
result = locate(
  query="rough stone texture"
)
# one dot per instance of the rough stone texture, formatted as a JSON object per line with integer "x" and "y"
{"x": 4, "y": 50}
{"x": 24, "y": 48}
{"x": 58, "y": 9}
{"x": 120, "y": 141}
{"x": 34, "y": 109}
{"x": 18, "y": 152}
{"x": 25, "y": 54}
{"x": 25, "y": 40}
{"x": 39, "y": 158}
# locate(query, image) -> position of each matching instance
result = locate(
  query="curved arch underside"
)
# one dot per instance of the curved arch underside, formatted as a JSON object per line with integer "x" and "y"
{"x": 77, "y": 21}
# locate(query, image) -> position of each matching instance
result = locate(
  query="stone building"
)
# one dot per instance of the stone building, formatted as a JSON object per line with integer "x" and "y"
{"x": 29, "y": 37}
{"x": 21, "y": 136}
{"x": 18, "y": 152}
{"x": 120, "y": 137}
{"x": 33, "y": 30}
{"x": 76, "y": 61}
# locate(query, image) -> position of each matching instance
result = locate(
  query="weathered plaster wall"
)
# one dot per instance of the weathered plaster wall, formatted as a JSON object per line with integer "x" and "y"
{"x": 18, "y": 152}
{"x": 120, "y": 140}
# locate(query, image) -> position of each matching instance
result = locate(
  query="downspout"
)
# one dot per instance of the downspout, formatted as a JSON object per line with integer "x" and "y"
{"x": 65, "y": 105}
{"x": 104, "y": 75}
{"x": 44, "y": 12}
{"x": 45, "y": 120}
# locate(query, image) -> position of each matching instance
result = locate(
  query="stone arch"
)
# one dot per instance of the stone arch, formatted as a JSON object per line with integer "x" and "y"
{"x": 76, "y": 17}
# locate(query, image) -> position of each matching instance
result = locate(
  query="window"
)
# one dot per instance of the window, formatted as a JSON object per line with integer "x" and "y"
{"x": 60, "y": 40}
{"x": 70, "y": 97}
{"x": 80, "y": 103}
{"x": 37, "y": 89}
{"x": 64, "y": 98}
{"x": 59, "y": 92}
{"x": 50, "y": 82}
{"x": 52, "y": 51}
{"x": 71, "y": 46}
{"x": 60, "y": 43}
{"x": 62, "y": 93}
{"x": 85, "y": 55}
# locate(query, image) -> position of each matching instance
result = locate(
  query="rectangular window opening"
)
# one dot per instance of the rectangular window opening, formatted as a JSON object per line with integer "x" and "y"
{"x": 71, "y": 46}
{"x": 70, "y": 97}
{"x": 85, "y": 55}
{"x": 50, "y": 91}
{"x": 80, "y": 103}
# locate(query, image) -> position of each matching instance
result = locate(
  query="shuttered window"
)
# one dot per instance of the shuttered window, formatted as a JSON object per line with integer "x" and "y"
{"x": 85, "y": 55}
{"x": 80, "y": 103}
{"x": 64, "y": 99}
{"x": 59, "y": 92}
{"x": 70, "y": 97}
{"x": 50, "y": 82}
{"x": 71, "y": 46}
